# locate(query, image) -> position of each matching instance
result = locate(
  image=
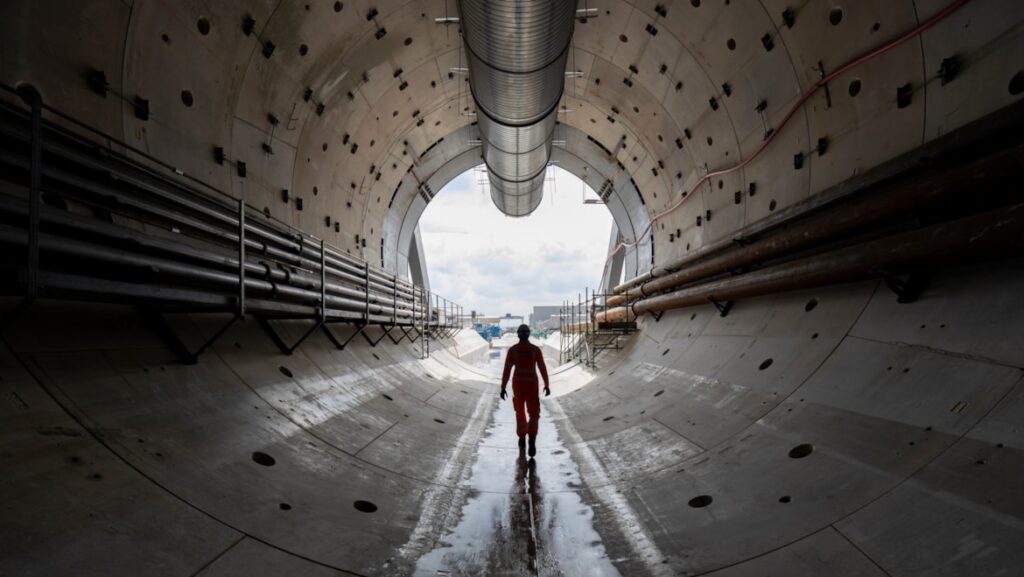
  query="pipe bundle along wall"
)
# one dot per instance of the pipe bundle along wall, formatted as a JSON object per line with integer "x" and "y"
{"x": 517, "y": 51}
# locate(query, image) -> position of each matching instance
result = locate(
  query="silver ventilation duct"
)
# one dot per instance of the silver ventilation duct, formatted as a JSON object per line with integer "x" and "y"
{"x": 517, "y": 50}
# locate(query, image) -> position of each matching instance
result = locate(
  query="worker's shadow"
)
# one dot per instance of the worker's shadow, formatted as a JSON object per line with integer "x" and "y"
{"x": 526, "y": 504}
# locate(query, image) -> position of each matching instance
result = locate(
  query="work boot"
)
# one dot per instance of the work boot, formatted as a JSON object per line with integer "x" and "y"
{"x": 533, "y": 446}
{"x": 522, "y": 443}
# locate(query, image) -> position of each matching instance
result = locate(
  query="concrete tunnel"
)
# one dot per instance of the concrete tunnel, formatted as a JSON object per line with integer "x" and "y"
{"x": 209, "y": 214}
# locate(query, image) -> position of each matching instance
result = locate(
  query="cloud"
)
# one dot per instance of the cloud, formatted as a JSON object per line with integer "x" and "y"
{"x": 496, "y": 264}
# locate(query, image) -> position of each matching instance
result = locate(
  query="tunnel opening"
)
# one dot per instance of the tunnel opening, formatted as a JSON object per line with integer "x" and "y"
{"x": 226, "y": 347}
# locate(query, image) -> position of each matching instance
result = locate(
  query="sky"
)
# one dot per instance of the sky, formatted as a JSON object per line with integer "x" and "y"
{"x": 495, "y": 264}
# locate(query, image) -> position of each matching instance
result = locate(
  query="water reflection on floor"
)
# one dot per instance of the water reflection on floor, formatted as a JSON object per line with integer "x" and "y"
{"x": 521, "y": 516}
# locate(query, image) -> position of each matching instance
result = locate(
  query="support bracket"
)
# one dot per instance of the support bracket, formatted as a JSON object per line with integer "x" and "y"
{"x": 341, "y": 345}
{"x": 907, "y": 291}
{"x": 723, "y": 308}
{"x": 373, "y": 343}
{"x": 284, "y": 347}
{"x": 170, "y": 338}
{"x": 657, "y": 316}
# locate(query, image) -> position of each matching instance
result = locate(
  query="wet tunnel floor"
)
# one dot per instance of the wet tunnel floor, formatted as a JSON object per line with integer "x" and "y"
{"x": 521, "y": 516}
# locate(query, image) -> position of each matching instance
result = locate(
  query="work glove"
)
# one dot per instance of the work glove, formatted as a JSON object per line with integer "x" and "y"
{"x": 504, "y": 394}
{"x": 547, "y": 391}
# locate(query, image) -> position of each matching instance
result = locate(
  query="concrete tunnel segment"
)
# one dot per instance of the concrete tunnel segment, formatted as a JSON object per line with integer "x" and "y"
{"x": 830, "y": 431}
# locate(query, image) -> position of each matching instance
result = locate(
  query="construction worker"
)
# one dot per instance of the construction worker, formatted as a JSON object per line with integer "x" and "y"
{"x": 526, "y": 358}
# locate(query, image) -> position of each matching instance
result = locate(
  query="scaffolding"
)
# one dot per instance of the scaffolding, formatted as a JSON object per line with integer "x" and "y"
{"x": 581, "y": 337}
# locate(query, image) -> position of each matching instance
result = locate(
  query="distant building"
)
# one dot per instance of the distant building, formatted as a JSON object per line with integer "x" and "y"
{"x": 542, "y": 314}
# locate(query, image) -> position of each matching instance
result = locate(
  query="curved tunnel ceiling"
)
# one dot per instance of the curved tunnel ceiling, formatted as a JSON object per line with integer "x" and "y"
{"x": 827, "y": 431}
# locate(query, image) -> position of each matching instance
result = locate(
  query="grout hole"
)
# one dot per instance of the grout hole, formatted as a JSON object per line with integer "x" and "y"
{"x": 203, "y": 25}
{"x": 700, "y": 501}
{"x": 784, "y": 499}
{"x": 854, "y": 88}
{"x": 765, "y": 364}
{"x": 659, "y": 393}
{"x": 801, "y": 451}
{"x": 810, "y": 305}
{"x": 388, "y": 397}
{"x": 284, "y": 371}
{"x": 261, "y": 458}
{"x": 438, "y": 421}
{"x": 186, "y": 98}
{"x": 285, "y": 507}
{"x": 608, "y": 418}
{"x": 1017, "y": 83}
{"x": 364, "y": 506}
{"x": 835, "y": 16}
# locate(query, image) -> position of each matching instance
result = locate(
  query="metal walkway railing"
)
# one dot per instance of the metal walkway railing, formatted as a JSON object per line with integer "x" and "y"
{"x": 80, "y": 219}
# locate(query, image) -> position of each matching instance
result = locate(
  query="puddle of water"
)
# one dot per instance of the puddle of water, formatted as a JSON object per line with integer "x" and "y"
{"x": 521, "y": 516}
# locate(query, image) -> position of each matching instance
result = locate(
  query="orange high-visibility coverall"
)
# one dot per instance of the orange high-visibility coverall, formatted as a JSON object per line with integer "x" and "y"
{"x": 527, "y": 359}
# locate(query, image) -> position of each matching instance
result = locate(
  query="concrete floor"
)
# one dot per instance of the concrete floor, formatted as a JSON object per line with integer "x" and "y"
{"x": 881, "y": 439}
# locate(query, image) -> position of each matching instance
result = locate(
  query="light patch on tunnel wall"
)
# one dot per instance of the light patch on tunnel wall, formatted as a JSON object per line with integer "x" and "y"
{"x": 495, "y": 264}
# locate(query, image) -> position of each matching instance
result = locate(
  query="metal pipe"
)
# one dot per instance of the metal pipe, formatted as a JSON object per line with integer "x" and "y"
{"x": 882, "y": 206}
{"x": 208, "y": 256}
{"x": 982, "y": 236}
{"x": 516, "y": 52}
{"x": 115, "y": 257}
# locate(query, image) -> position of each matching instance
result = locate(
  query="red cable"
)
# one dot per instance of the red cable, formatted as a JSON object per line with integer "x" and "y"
{"x": 942, "y": 15}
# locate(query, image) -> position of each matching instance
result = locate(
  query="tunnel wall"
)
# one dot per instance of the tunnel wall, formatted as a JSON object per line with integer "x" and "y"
{"x": 359, "y": 91}
{"x": 912, "y": 411}
{"x": 127, "y": 462}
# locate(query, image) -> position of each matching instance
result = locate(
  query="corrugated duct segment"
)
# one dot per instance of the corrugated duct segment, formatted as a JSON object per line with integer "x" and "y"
{"x": 517, "y": 50}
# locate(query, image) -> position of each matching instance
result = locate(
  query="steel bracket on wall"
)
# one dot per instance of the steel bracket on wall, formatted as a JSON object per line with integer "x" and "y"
{"x": 281, "y": 345}
{"x": 166, "y": 332}
{"x": 657, "y": 316}
{"x": 907, "y": 291}
{"x": 723, "y": 308}
{"x": 387, "y": 333}
{"x": 341, "y": 345}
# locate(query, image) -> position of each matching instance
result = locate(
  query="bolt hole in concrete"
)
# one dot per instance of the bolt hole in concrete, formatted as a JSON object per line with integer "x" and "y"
{"x": 261, "y": 458}
{"x": 801, "y": 451}
{"x": 438, "y": 421}
{"x": 285, "y": 507}
{"x": 666, "y": 352}
{"x": 388, "y": 397}
{"x": 854, "y": 88}
{"x": 835, "y": 16}
{"x": 338, "y": 6}
{"x": 765, "y": 364}
{"x": 186, "y": 98}
{"x": 695, "y": 3}
{"x": 364, "y": 506}
{"x": 730, "y": 44}
{"x": 659, "y": 393}
{"x": 700, "y": 501}
{"x": 784, "y": 499}
{"x": 608, "y": 418}
{"x": 814, "y": 336}
{"x": 1017, "y": 83}
{"x": 203, "y": 25}
{"x": 284, "y": 371}
{"x": 810, "y": 305}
